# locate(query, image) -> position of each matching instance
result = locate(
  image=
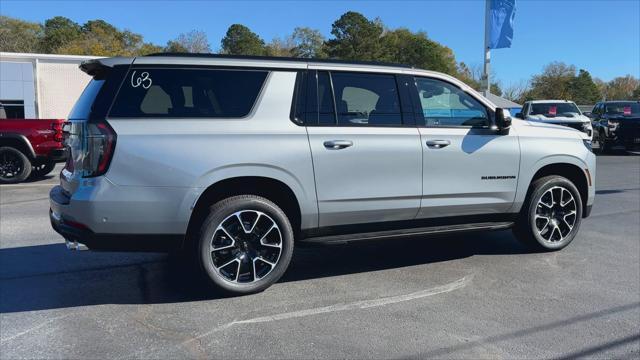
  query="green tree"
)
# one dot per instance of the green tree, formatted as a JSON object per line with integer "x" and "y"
{"x": 100, "y": 38}
{"x": 636, "y": 93}
{"x": 622, "y": 88}
{"x": 59, "y": 31}
{"x": 192, "y": 42}
{"x": 279, "y": 47}
{"x": 553, "y": 83}
{"x": 307, "y": 43}
{"x": 416, "y": 49}
{"x": 240, "y": 40}
{"x": 355, "y": 38}
{"x": 149, "y": 48}
{"x": 472, "y": 76}
{"x": 174, "y": 46}
{"x": 19, "y": 36}
{"x": 583, "y": 89}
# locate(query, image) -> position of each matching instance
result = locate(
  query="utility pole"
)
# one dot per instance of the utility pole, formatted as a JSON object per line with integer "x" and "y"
{"x": 487, "y": 51}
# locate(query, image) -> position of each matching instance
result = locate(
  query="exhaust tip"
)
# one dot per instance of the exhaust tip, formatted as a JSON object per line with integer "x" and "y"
{"x": 75, "y": 246}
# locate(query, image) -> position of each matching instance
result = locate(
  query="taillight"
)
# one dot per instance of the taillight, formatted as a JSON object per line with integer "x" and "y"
{"x": 57, "y": 128}
{"x": 101, "y": 142}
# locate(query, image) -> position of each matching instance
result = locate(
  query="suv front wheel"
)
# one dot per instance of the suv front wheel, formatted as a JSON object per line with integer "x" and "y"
{"x": 550, "y": 218}
{"x": 245, "y": 244}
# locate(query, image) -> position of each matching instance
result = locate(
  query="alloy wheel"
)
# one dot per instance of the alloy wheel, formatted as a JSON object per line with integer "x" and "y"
{"x": 10, "y": 165}
{"x": 246, "y": 246}
{"x": 556, "y": 214}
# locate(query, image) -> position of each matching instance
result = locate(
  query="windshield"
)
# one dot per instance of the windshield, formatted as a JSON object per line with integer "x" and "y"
{"x": 554, "y": 109}
{"x": 623, "y": 108}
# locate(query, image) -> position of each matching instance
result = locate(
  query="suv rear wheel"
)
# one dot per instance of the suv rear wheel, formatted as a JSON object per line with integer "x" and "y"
{"x": 551, "y": 216}
{"x": 14, "y": 166}
{"x": 245, "y": 244}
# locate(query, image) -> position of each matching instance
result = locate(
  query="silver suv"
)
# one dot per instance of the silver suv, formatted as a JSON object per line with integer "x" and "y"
{"x": 236, "y": 159}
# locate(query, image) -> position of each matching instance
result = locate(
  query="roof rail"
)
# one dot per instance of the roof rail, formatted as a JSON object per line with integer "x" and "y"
{"x": 281, "y": 58}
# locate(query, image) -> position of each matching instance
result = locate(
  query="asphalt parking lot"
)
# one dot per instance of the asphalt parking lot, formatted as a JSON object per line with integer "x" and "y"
{"x": 469, "y": 296}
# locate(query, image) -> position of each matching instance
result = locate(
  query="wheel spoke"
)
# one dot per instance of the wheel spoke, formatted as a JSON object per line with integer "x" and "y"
{"x": 255, "y": 273}
{"x": 565, "y": 203}
{"x": 557, "y": 227}
{"x": 260, "y": 258}
{"x": 229, "y": 263}
{"x": 255, "y": 248}
{"x": 262, "y": 239}
{"x": 239, "y": 217}
{"x": 548, "y": 219}
{"x": 564, "y": 218}
{"x": 559, "y": 215}
{"x": 233, "y": 241}
{"x": 251, "y": 271}
{"x": 255, "y": 223}
{"x": 541, "y": 202}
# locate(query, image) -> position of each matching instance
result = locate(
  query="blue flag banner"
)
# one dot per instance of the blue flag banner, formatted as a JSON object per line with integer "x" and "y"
{"x": 503, "y": 12}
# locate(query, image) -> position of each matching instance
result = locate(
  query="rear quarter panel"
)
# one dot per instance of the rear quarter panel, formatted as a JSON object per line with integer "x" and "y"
{"x": 192, "y": 154}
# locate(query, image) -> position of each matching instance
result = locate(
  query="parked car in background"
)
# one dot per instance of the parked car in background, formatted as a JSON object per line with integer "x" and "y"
{"x": 234, "y": 160}
{"x": 29, "y": 147}
{"x": 557, "y": 112}
{"x": 617, "y": 125}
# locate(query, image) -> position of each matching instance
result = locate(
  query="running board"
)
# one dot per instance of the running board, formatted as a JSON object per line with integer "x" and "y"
{"x": 432, "y": 230}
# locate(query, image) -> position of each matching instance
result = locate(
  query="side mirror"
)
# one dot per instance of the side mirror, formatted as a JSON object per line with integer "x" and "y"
{"x": 588, "y": 114}
{"x": 520, "y": 116}
{"x": 503, "y": 121}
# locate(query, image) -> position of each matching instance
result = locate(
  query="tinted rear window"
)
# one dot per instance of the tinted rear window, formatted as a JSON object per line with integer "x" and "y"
{"x": 194, "y": 93}
{"x": 82, "y": 108}
{"x": 366, "y": 99}
{"x": 557, "y": 109}
{"x": 623, "y": 108}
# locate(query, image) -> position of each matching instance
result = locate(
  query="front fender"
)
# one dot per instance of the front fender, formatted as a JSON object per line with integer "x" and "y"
{"x": 537, "y": 154}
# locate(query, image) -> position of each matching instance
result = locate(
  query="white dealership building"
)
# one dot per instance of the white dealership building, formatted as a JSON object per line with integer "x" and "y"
{"x": 40, "y": 86}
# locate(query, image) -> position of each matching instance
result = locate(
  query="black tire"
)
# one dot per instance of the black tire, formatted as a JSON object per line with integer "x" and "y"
{"x": 14, "y": 166}
{"x": 603, "y": 144}
{"x": 531, "y": 228}
{"x": 42, "y": 168}
{"x": 246, "y": 247}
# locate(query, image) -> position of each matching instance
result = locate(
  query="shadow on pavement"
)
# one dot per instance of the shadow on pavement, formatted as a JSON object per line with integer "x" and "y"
{"x": 614, "y": 191}
{"x": 51, "y": 277}
{"x": 523, "y": 333}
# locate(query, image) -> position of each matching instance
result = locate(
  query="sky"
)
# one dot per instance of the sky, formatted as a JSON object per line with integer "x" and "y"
{"x": 601, "y": 36}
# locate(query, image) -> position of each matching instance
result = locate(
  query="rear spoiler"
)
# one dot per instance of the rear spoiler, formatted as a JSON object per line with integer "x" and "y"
{"x": 98, "y": 68}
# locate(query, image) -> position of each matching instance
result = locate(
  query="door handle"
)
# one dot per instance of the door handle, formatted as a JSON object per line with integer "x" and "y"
{"x": 337, "y": 144}
{"x": 438, "y": 144}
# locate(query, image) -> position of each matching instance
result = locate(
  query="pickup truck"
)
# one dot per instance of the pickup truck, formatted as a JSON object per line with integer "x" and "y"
{"x": 29, "y": 147}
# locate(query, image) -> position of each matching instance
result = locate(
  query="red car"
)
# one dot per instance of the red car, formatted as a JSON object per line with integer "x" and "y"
{"x": 29, "y": 147}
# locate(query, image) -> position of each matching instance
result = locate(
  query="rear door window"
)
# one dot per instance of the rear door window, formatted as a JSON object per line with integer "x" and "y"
{"x": 366, "y": 99}
{"x": 187, "y": 93}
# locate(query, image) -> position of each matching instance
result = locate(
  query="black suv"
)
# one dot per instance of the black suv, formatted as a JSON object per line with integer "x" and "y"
{"x": 616, "y": 125}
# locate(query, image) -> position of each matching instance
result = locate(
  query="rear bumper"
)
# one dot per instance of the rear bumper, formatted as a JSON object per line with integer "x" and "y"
{"x": 74, "y": 231}
{"x": 58, "y": 155}
{"x": 627, "y": 139}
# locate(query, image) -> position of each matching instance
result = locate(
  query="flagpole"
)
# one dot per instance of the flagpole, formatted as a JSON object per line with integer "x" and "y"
{"x": 487, "y": 51}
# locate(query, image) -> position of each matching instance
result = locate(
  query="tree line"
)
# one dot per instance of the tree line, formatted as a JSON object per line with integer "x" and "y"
{"x": 354, "y": 37}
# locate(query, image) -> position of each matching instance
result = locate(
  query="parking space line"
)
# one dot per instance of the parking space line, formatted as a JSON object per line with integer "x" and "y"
{"x": 42, "y": 324}
{"x": 357, "y": 305}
